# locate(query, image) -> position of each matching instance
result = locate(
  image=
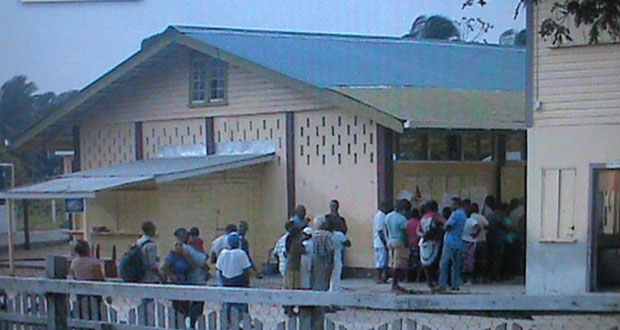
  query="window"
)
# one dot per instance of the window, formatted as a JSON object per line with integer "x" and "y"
{"x": 445, "y": 146}
{"x": 558, "y": 205}
{"x": 413, "y": 146}
{"x": 478, "y": 146}
{"x": 208, "y": 82}
{"x": 515, "y": 146}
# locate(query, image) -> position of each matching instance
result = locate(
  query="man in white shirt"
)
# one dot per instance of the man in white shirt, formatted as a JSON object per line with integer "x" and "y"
{"x": 234, "y": 264}
{"x": 340, "y": 240}
{"x": 220, "y": 243}
{"x": 380, "y": 242}
{"x": 475, "y": 231}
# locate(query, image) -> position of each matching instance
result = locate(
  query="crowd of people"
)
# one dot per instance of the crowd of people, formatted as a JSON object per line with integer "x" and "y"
{"x": 460, "y": 243}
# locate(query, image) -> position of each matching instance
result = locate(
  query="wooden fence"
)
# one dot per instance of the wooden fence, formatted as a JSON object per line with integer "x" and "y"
{"x": 33, "y": 303}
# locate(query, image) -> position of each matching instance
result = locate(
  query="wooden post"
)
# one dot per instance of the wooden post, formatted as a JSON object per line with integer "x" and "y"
{"x": 57, "y": 311}
{"x": 290, "y": 162}
{"x": 54, "y": 210}
{"x": 25, "y": 204}
{"x": 9, "y": 213}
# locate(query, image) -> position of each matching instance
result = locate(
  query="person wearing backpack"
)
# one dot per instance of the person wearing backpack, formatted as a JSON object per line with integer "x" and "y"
{"x": 149, "y": 254}
{"x": 140, "y": 263}
{"x": 431, "y": 232}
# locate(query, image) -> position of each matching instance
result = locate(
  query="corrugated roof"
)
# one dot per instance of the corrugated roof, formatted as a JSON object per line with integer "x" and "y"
{"x": 331, "y": 60}
{"x": 86, "y": 183}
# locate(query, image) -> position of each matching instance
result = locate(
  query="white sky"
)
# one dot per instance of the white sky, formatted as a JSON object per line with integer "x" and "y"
{"x": 63, "y": 46}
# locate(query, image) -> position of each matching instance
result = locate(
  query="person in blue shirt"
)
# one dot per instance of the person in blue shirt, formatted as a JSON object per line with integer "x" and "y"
{"x": 452, "y": 255}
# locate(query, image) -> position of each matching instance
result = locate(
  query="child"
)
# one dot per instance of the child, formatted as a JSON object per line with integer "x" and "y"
{"x": 340, "y": 240}
{"x": 195, "y": 241}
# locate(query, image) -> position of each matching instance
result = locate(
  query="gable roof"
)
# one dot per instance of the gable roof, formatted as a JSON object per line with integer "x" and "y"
{"x": 321, "y": 65}
{"x": 336, "y": 60}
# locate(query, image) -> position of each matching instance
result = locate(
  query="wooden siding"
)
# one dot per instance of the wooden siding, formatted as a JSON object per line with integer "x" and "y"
{"x": 162, "y": 93}
{"x": 335, "y": 158}
{"x": 107, "y": 144}
{"x": 575, "y": 84}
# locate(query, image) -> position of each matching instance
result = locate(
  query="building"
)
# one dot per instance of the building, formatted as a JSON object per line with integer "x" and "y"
{"x": 275, "y": 119}
{"x": 573, "y": 163}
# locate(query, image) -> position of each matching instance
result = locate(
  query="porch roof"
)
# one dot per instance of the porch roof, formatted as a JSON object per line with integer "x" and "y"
{"x": 86, "y": 184}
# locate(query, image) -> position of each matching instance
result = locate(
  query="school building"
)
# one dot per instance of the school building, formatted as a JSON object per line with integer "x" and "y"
{"x": 207, "y": 126}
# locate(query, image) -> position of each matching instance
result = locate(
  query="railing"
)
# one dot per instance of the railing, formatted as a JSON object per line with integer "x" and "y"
{"x": 32, "y": 303}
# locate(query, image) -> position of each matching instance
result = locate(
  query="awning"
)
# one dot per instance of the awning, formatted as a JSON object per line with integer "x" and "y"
{"x": 87, "y": 183}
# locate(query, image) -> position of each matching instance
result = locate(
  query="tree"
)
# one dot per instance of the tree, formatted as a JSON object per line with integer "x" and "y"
{"x": 434, "y": 27}
{"x": 16, "y": 106}
{"x": 601, "y": 16}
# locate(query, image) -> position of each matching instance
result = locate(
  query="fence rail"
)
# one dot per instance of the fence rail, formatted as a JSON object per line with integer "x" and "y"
{"x": 47, "y": 303}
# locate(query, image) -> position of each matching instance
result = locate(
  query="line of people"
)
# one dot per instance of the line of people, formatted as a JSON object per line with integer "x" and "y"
{"x": 444, "y": 247}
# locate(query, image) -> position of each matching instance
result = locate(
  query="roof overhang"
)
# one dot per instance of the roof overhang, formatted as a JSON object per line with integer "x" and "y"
{"x": 446, "y": 108}
{"x": 87, "y": 184}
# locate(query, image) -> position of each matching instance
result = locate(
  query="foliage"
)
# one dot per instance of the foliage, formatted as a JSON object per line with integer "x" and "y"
{"x": 434, "y": 27}
{"x": 601, "y": 16}
{"x": 20, "y": 108}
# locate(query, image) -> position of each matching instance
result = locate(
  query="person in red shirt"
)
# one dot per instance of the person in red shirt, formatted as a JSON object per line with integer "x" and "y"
{"x": 413, "y": 240}
{"x": 195, "y": 241}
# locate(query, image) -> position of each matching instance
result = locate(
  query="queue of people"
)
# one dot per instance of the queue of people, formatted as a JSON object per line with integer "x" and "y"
{"x": 459, "y": 244}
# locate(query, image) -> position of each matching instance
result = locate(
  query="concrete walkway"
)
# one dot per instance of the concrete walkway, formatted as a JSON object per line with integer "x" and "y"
{"x": 37, "y": 238}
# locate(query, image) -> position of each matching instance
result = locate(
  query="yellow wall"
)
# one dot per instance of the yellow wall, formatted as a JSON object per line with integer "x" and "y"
{"x": 209, "y": 203}
{"x": 353, "y": 180}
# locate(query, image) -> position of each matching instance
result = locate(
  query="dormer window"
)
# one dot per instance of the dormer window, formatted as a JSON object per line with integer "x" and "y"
{"x": 208, "y": 82}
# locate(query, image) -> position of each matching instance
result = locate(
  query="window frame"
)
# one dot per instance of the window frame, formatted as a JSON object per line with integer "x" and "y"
{"x": 210, "y": 64}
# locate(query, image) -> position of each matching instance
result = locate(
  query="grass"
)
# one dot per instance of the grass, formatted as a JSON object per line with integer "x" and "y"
{"x": 40, "y": 216}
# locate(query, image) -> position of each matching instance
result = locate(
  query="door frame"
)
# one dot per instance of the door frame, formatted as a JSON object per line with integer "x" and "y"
{"x": 592, "y": 283}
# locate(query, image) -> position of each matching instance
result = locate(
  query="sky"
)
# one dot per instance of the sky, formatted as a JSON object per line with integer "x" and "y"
{"x": 64, "y": 46}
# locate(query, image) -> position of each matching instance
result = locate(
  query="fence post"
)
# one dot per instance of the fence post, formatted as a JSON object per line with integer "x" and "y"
{"x": 57, "y": 311}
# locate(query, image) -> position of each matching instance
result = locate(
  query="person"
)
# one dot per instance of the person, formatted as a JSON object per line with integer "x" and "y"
{"x": 517, "y": 213}
{"x": 467, "y": 206}
{"x": 431, "y": 233}
{"x": 446, "y": 212}
{"x": 306, "y": 259}
{"x": 322, "y": 255}
{"x": 451, "y": 256}
{"x": 86, "y": 268}
{"x": 220, "y": 243}
{"x": 149, "y": 253}
{"x": 197, "y": 273}
{"x": 294, "y": 250}
{"x": 233, "y": 267}
{"x": 396, "y": 224}
{"x": 488, "y": 207}
{"x": 340, "y": 241}
{"x": 279, "y": 250}
{"x": 470, "y": 233}
{"x": 413, "y": 241}
{"x": 379, "y": 234}
{"x": 194, "y": 239}
{"x": 336, "y": 221}
{"x": 243, "y": 228}
{"x": 511, "y": 259}
{"x": 299, "y": 219}
{"x": 495, "y": 242}
{"x": 480, "y": 254}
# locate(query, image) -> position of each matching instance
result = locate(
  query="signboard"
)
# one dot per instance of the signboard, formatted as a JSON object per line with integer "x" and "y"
{"x": 74, "y": 205}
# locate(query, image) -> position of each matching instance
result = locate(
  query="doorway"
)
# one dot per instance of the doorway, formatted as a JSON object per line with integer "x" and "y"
{"x": 605, "y": 234}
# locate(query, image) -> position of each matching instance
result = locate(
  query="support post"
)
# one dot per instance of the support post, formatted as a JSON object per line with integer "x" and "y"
{"x": 9, "y": 213}
{"x": 500, "y": 161}
{"x": 25, "y": 206}
{"x": 54, "y": 211}
{"x": 139, "y": 147}
{"x": 210, "y": 135}
{"x": 57, "y": 311}
{"x": 76, "y": 166}
{"x": 290, "y": 162}
{"x": 385, "y": 165}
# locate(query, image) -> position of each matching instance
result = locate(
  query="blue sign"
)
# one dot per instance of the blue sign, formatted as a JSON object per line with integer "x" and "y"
{"x": 74, "y": 205}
